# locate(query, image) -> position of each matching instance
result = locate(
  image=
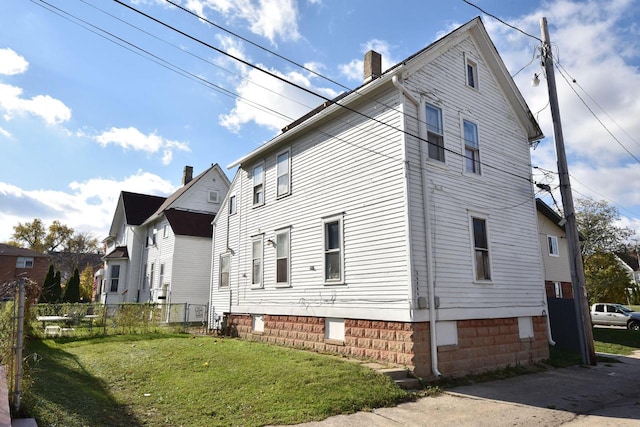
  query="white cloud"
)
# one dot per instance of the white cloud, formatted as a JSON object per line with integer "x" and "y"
{"x": 272, "y": 19}
{"x": 600, "y": 51}
{"x": 51, "y": 110}
{"x": 132, "y": 138}
{"x": 11, "y": 63}
{"x": 88, "y": 206}
{"x": 5, "y": 133}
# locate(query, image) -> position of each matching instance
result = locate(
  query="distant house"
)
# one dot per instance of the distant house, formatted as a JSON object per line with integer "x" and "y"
{"x": 18, "y": 263}
{"x": 159, "y": 249}
{"x": 554, "y": 252}
{"x": 396, "y": 223}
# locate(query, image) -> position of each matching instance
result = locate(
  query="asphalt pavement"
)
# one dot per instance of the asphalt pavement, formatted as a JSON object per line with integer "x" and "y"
{"x": 604, "y": 395}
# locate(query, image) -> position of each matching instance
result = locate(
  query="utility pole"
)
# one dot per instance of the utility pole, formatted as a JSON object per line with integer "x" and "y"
{"x": 583, "y": 316}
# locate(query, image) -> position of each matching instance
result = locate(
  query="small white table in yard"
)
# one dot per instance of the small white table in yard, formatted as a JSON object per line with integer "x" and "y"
{"x": 55, "y": 330}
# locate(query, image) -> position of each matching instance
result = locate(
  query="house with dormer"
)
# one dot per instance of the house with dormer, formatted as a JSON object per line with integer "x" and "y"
{"x": 159, "y": 248}
{"x": 396, "y": 222}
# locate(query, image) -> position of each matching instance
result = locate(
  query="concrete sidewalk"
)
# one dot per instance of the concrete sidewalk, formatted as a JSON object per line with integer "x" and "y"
{"x": 604, "y": 395}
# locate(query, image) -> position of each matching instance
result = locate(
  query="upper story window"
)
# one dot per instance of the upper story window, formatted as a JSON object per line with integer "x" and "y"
{"x": 471, "y": 147}
{"x": 552, "y": 243}
{"x": 481, "y": 248}
{"x": 471, "y": 69}
{"x": 165, "y": 231}
{"x": 282, "y": 257}
{"x": 258, "y": 185}
{"x": 283, "y": 172}
{"x": 213, "y": 196}
{"x": 333, "y": 250}
{"x": 233, "y": 204}
{"x": 256, "y": 261}
{"x": 225, "y": 265}
{"x": 435, "y": 133}
{"x": 151, "y": 237}
{"x": 24, "y": 262}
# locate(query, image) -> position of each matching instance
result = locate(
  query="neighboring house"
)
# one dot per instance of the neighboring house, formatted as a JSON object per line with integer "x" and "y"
{"x": 159, "y": 249}
{"x": 554, "y": 252}
{"x": 350, "y": 233}
{"x": 634, "y": 283}
{"x": 20, "y": 262}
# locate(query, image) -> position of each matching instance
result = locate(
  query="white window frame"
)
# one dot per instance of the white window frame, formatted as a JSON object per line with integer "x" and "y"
{"x": 435, "y": 142}
{"x": 557, "y": 289}
{"x": 165, "y": 231}
{"x": 24, "y": 262}
{"x": 475, "y": 249}
{"x": 145, "y": 278}
{"x": 328, "y": 251}
{"x": 283, "y": 173}
{"x": 213, "y": 196}
{"x": 258, "y": 186}
{"x": 233, "y": 204}
{"x": 474, "y": 157}
{"x": 221, "y": 272}
{"x": 552, "y": 245}
{"x": 257, "y": 279}
{"x": 471, "y": 65}
{"x": 114, "y": 278}
{"x": 151, "y": 274}
{"x": 285, "y": 234}
{"x": 161, "y": 276}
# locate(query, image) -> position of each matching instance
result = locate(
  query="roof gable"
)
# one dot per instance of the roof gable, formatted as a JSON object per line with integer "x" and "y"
{"x": 138, "y": 207}
{"x": 475, "y": 28}
{"x": 184, "y": 223}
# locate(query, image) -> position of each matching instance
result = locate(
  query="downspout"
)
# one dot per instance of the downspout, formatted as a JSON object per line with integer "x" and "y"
{"x": 427, "y": 226}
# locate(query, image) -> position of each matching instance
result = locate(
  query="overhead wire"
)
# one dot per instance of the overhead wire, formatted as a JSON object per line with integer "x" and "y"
{"x": 503, "y": 22}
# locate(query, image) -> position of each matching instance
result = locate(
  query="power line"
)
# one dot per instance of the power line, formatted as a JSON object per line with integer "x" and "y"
{"x": 503, "y": 22}
{"x": 596, "y": 116}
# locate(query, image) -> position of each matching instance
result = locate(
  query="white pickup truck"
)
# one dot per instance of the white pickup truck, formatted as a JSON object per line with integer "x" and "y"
{"x": 615, "y": 315}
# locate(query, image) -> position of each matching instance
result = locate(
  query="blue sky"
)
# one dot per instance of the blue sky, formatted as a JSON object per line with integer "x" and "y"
{"x": 83, "y": 118}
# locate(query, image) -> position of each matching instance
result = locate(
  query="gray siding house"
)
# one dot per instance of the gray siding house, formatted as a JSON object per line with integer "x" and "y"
{"x": 396, "y": 223}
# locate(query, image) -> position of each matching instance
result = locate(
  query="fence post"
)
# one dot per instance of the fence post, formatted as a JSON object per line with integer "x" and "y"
{"x": 19, "y": 336}
{"x": 186, "y": 315}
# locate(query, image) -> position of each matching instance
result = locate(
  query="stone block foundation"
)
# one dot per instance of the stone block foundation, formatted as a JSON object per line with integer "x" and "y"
{"x": 483, "y": 344}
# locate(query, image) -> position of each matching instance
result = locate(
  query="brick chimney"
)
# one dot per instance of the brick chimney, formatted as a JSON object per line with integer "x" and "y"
{"x": 372, "y": 65}
{"x": 187, "y": 175}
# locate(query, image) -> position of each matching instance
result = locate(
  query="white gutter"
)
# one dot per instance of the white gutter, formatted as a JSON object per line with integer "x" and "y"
{"x": 427, "y": 226}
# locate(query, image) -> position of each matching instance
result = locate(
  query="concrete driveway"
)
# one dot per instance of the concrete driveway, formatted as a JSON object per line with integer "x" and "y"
{"x": 604, "y": 395}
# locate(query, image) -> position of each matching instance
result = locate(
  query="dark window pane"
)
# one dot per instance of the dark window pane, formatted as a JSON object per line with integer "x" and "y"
{"x": 332, "y": 235}
{"x": 282, "y": 266}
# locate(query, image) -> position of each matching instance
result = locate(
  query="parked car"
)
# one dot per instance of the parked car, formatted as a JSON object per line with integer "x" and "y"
{"x": 615, "y": 315}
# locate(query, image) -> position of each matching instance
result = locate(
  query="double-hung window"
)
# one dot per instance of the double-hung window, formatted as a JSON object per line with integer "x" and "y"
{"x": 256, "y": 261}
{"x": 151, "y": 276}
{"x": 333, "y": 250}
{"x": 471, "y": 147}
{"x": 472, "y": 74}
{"x": 232, "y": 204}
{"x": 283, "y": 172}
{"x": 282, "y": 257}
{"x": 552, "y": 243}
{"x": 435, "y": 133}
{"x": 115, "y": 278}
{"x": 481, "y": 249}
{"x": 258, "y": 185}
{"x": 225, "y": 264}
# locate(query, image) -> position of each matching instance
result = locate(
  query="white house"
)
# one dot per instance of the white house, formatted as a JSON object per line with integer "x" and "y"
{"x": 159, "y": 249}
{"x": 397, "y": 222}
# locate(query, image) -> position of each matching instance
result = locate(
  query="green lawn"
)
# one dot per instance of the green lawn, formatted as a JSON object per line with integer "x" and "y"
{"x": 616, "y": 340}
{"x": 181, "y": 380}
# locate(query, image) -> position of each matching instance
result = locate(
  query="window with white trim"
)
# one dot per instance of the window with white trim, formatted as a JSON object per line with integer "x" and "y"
{"x": 472, "y": 73}
{"x": 557, "y": 289}
{"x": 213, "y": 196}
{"x": 114, "y": 277}
{"x": 232, "y": 204}
{"x": 282, "y": 256}
{"x": 552, "y": 244}
{"x": 225, "y": 265}
{"x": 481, "y": 248}
{"x": 435, "y": 133}
{"x": 283, "y": 173}
{"x": 145, "y": 278}
{"x": 256, "y": 261}
{"x": 258, "y": 185}
{"x": 161, "y": 279}
{"x": 333, "y": 250}
{"x": 471, "y": 147}
{"x": 151, "y": 275}
{"x": 24, "y": 262}
{"x": 165, "y": 231}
